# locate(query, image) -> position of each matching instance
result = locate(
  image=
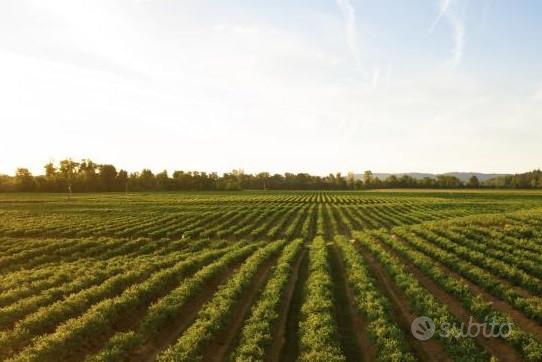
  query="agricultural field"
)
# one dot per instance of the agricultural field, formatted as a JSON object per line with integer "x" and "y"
{"x": 269, "y": 276}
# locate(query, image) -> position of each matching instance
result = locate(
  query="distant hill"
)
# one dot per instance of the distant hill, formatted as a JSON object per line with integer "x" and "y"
{"x": 463, "y": 176}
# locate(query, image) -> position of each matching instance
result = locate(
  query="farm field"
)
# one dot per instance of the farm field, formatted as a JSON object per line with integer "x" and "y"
{"x": 274, "y": 276}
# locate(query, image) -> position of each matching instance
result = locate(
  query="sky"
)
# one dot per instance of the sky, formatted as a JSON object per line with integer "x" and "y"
{"x": 312, "y": 86}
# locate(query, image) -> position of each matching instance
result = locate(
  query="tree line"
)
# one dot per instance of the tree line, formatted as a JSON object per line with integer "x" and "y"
{"x": 88, "y": 176}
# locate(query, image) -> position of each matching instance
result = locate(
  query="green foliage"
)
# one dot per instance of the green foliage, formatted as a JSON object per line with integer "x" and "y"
{"x": 105, "y": 277}
{"x": 257, "y": 333}
{"x": 214, "y": 315}
{"x": 87, "y": 176}
{"x": 423, "y": 302}
{"x": 318, "y": 329}
{"x": 390, "y": 340}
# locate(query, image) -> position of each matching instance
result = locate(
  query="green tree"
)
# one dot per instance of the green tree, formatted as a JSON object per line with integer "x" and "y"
{"x": 473, "y": 182}
{"x": 368, "y": 178}
{"x": 68, "y": 173}
{"x": 350, "y": 180}
{"x": 163, "y": 182}
{"x": 87, "y": 177}
{"x": 121, "y": 181}
{"x": 107, "y": 177}
{"x": 24, "y": 181}
{"x": 50, "y": 170}
{"x": 146, "y": 180}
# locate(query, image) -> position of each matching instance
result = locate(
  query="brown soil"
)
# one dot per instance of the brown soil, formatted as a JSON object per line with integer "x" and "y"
{"x": 279, "y": 333}
{"x": 222, "y": 345}
{"x": 495, "y": 346}
{"x": 290, "y": 349}
{"x": 355, "y": 339}
{"x": 524, "y": 322}
{"x": 128, "y": 321}
{"x": 170, "y": 333}
{"x": 505, "y": 282}
{"x": 429, "y": 350}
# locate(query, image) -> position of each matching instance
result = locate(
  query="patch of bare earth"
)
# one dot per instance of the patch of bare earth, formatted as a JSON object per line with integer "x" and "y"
{"x": 403, "y": 314}
{"x": 279, "y": 333}
{"x": 354, "y": 334}
{"x": 524, "y": 322}
{"x": 169, "y": 334}
{"x": 222, "y": 344}
{"x": 495, "y": 346}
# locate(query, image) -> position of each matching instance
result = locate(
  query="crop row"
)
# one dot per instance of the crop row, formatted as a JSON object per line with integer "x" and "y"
{"x": 103, "y": 315}
{"x": 390, "y": 340}
{"x": 318, "y": 334}
{"x": 214, "y": 315}
{"x": 529, "y": 304}
{"x": 257, "y": 333}
{"x": 423, "y": 302}
{"x": 526, "y": 344}
{"x": 167, "y": 309}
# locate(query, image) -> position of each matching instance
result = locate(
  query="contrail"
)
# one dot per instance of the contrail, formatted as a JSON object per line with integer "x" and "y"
{"x": 347, "y": 9}
{"x": 444, "y": 5}
{"x": 458, "y": 30}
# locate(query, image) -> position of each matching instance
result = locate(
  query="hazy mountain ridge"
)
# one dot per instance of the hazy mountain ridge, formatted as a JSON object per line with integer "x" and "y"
{"x": 463, "y": 176}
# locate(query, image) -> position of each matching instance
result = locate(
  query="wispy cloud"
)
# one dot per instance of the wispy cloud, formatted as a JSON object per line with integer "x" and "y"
{"x": 349, "y": 14}
{"x": 443, "y": 8}
{"x": 458, "y": 32}
{"x": 457, "y": 25}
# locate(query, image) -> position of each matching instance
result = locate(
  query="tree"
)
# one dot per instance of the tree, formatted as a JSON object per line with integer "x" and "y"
{"x": 392, "y": 181}
{"x": 50, "y": 170}
{"x": 88, "y": 176}
{"x": 147, "y": 181}
{"x": 446, "y": 181}
{"x": 473, "y": 182}
{"x": 24, "y": 181}
{"x": 50, "y": 182}
{"x": 121, "y": 181}
{"x": 6, "y": 183}
{"x": 88, "y": 180}
{"x": 107, "y": 176}
{"x": 163, "y": 182}
{"x": 350, "y": 180}
{"x": 68, "y": 170}
{"x": 368, "y": 178}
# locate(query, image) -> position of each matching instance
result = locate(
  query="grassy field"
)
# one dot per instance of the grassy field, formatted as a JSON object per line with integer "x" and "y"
{"x": 277, "y": 276}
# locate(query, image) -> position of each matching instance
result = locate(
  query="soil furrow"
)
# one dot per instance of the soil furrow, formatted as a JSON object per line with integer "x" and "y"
{"x": 222, "y": 344}
{"x": 496, "y": 347}
{"x": 188, "y": 313}
{"x": 403, "y": 314}
{"x": 524, "y": 322}
{"x": 280, "y": 332}
{"x": 290, "y": 349}
{"x": 352, "y": 329}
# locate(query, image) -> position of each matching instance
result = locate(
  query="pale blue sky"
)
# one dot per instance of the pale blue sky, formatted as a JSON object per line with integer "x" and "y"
{"x": 315, "y": 86}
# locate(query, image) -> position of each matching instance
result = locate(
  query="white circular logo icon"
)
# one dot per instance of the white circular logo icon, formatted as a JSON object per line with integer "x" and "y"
{"x": 422, "y": 328}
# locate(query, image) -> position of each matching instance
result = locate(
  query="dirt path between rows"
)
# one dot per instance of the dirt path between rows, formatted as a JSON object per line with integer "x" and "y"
{"x": 290, "y": 349}
{"x": 128, "y": 320}
{"x": 524, "y": 322}
{"x": 495, "y": 346}
{"x": 169, "y": 334}
{"x": 502, "y": 280}
{"x": 355, "y": 340}
{"x": 222, "y": 345}
{"x": 280, "y": 332}
{"x": 429, "y": 350}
